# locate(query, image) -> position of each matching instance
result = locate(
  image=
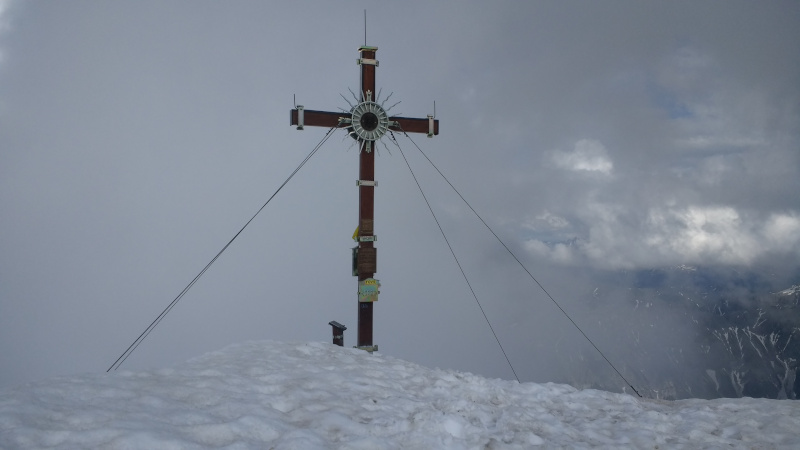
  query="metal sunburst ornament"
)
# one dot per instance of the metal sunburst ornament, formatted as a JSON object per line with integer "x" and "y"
{"x": 369, "y": 120}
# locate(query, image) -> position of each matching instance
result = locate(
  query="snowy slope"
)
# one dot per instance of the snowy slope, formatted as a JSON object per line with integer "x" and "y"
{"x": 314, "y": 395}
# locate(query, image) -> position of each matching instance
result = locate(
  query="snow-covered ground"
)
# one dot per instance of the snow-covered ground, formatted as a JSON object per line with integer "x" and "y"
{"x": 313, "y": 395}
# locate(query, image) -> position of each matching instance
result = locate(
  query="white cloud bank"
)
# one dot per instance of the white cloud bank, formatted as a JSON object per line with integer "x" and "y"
{"x": 589, "y": 156}
{"x": 4, "y": 4}
{"x": 676, "y": 235}
{"x": 714, "y": 185}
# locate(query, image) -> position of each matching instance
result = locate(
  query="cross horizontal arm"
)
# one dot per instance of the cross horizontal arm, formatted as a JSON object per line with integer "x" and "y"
{"x": 331, "y": 119}
{"x": 414, "y": 125}
{"x": 319, "y": 118}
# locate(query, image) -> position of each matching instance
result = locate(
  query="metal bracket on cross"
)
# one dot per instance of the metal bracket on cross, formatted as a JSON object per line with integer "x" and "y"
{"x": 300, "y": 117}
{"x": 371, "y": 62}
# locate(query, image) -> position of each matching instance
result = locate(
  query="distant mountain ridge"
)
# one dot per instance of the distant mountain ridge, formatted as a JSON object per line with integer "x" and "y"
{"x": 692, "y": 331}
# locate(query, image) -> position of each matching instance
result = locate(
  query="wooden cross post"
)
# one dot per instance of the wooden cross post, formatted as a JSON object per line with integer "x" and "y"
{"x": 366, "y": 122}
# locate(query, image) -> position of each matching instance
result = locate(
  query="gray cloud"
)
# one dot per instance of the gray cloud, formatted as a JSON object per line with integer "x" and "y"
{"x": 137, "y": 138}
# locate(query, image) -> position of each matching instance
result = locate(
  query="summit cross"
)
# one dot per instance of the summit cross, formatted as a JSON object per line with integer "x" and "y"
{"x": 366, "y": 122}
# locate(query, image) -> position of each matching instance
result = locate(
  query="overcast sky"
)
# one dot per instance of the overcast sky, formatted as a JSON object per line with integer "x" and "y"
{"x": 136, "y": 138}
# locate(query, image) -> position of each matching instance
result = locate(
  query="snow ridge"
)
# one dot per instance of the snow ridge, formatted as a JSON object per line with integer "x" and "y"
{"x": 316, "y": 395}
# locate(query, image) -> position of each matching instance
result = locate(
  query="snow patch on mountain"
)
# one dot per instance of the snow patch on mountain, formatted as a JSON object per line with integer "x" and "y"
{"x": 791, "y": 291}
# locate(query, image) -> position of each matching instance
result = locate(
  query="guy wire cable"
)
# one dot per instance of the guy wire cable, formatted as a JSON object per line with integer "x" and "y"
{"x": 458, "y": 263}
{"x": 523, "y": 266}
{"x": 169, "y": 307}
